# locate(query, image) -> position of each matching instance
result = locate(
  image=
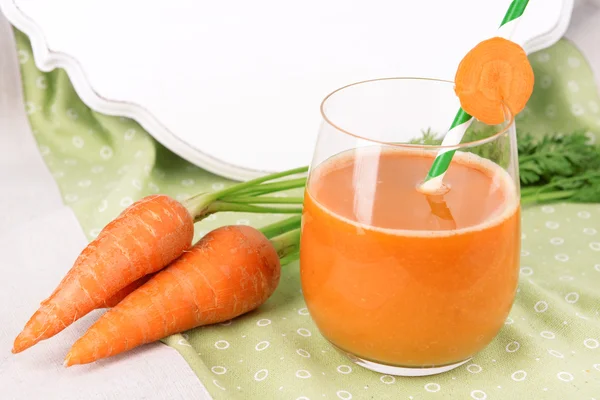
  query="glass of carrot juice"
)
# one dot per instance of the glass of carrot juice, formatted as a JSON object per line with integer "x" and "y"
{"x": 405, "y": 281}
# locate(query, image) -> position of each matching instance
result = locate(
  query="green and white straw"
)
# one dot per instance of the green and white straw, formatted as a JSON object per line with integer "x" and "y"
{"x": 462, "y": 120}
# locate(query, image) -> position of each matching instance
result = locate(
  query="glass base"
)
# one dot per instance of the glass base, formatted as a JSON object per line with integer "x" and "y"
{"x": 398, "y": 370}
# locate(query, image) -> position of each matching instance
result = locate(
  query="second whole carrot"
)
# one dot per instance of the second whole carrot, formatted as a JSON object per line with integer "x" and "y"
{"x": 230, "y": 271}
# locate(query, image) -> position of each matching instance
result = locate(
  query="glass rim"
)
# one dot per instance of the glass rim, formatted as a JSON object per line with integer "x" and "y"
{"x": 509, "y": 121}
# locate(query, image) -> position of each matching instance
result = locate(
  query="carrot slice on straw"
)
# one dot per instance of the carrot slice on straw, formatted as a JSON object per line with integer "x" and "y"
{"x": 494, "y": 73}
{"x": 147, "y": 235}
{"x": 230, "y": 271}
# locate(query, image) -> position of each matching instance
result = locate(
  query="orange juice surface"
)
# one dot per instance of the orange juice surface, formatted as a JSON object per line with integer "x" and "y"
{"x": 394, "y": 276}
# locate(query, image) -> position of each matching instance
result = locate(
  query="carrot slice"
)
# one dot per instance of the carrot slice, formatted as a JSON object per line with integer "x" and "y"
{"x": 494, "y": 73}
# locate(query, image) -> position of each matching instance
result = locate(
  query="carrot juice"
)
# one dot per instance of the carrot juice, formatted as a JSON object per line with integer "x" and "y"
{"x": 403, "y": 278}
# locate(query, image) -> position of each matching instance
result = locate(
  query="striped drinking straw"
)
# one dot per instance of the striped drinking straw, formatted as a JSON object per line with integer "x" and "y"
{"x": 462, "y": 120}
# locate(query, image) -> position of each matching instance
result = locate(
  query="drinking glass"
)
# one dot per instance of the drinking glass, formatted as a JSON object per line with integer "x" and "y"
{"x": 404, "y": 281}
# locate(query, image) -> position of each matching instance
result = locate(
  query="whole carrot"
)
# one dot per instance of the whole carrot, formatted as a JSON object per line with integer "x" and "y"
{"x": 230, "y": 271}
{"x": 144, "y": 238}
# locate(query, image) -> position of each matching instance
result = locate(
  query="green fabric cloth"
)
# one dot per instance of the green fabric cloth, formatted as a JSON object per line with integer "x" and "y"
{"x": 549, "y": 348}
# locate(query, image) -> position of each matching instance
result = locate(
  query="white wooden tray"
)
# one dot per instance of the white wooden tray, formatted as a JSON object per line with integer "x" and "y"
{"x": 235, "y": 86}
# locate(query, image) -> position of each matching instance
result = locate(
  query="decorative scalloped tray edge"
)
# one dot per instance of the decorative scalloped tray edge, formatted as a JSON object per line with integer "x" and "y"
{"x": 47, "y": 60}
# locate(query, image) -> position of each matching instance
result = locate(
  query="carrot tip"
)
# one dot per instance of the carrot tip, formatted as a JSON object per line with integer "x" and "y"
{"x": 21, "y": 344}
{"x": 67, "y": 363}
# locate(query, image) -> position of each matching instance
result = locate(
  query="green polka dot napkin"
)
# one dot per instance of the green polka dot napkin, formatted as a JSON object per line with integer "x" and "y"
{"x": 565, "y": 97}
{"x": 548, "y": 349}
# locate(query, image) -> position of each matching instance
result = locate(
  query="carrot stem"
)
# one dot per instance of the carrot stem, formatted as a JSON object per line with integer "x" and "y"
{"x": 202, "y": 204}
{"x": 264, "y": 200}
{"x": 281, "y": 227}
{"x": 287, "y": 243}
{"x": 273, "y": 187}
{"x": 544, "y": 197}
{"x": 290, "y": 258}
{"x": 221, "y": 206}
{"x": 257, "y": 181}
{"x": 198, "y": 205}
{"x": 525, "y": 191}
